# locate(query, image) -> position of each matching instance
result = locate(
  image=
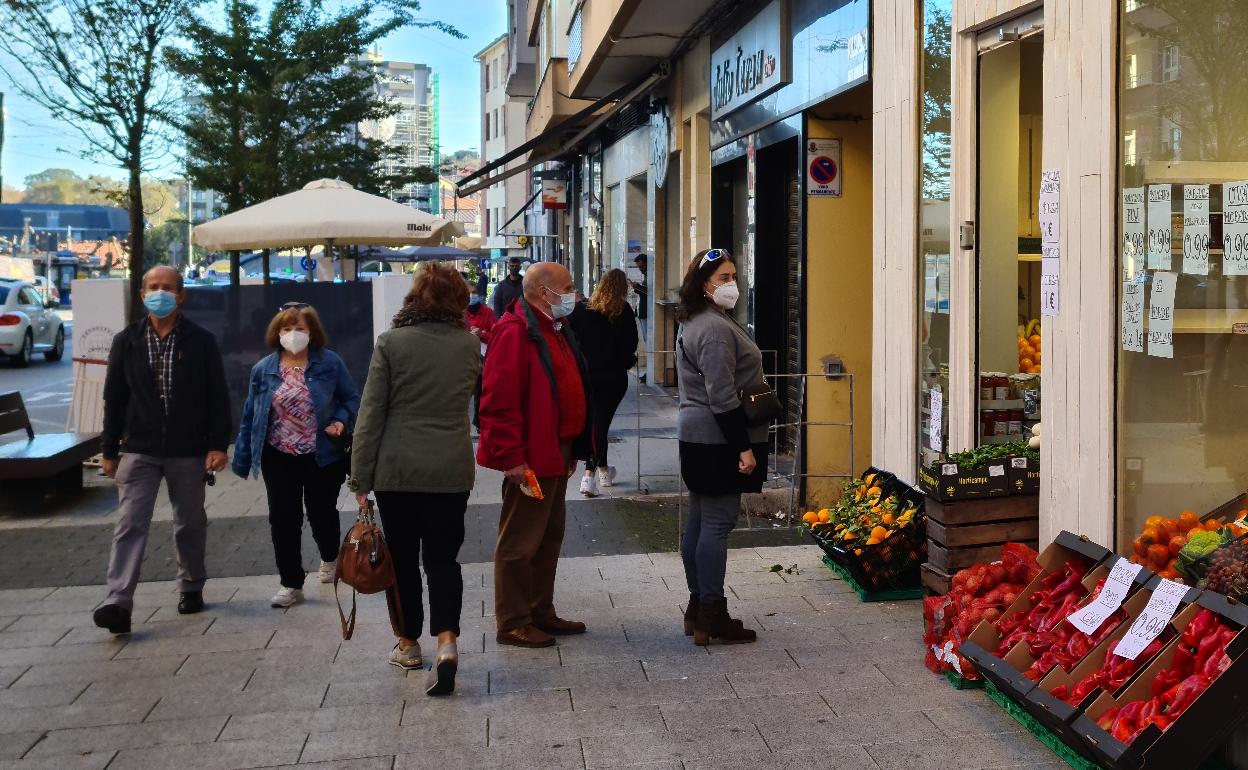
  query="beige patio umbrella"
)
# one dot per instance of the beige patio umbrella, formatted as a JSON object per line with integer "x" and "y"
{"x": 324, "y": 211}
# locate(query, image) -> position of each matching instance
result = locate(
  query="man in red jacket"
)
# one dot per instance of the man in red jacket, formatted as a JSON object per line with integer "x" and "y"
{"x": 533, "y": 417}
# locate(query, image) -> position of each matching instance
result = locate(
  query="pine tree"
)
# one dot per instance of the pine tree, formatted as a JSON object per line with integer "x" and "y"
{"x": 276, "y": 101}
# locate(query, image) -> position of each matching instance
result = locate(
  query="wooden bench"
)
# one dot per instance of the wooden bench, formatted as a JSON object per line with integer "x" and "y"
{"x": 52, "y": 459}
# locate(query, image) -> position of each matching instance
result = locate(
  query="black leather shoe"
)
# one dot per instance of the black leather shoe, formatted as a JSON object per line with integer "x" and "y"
{"x": 113, "y": 617}
{"x": 191, "y": 603}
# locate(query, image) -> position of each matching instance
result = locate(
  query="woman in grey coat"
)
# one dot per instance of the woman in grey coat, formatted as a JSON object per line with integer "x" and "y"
{"x": 722, "y": 455}
{"x": 412, "y": 447}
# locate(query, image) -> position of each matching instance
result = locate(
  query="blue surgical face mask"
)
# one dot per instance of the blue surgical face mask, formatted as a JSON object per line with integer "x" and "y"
{"x": 160, "y": 303}
{"x": 567, "y": 303}
{"x": 474, "y": 299}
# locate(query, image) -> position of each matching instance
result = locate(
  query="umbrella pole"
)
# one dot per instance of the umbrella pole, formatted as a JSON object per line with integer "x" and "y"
{"x": 264, "y": 262}
{"x": 234, "y": 268}
{"x": 311, "y": 267}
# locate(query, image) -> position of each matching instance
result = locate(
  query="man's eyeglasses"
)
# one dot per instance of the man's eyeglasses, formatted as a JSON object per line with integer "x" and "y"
{"x": 294, "y": 306}
{"x": 712, "y": 255}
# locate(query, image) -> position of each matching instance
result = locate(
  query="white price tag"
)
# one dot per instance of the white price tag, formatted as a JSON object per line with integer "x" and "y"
{"x": 1152, "y": 620}
{"x": 1117, "y": 585}
{"x": 1160, "y": 238}
{"x": 996, "y": 470}
{"x": 949, "y": 469}
{"x": 1018, "y": 462}
{"x": 936, "y": 424}
{"x": 1161, "y": 316}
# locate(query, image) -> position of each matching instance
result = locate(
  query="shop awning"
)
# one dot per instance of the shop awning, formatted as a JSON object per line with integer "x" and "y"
{"x": 548, "y": 146}
{"x": 519, "y": 211}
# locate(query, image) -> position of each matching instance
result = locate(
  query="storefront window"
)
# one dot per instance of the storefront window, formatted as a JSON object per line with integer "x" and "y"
{"x": 934, "y": 229}
{"x": 1183, "y": 221}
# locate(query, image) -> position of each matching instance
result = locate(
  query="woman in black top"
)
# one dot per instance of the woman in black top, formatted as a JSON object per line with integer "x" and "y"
{"x": 606, "y": 328}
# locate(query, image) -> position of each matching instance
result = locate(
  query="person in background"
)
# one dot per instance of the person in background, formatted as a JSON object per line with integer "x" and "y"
{"x": 642, "y": 263}
{"x": 535, "y": 421}
{"x": 300, "y": 404}
{"x": 166, "y": 416}
{"x": 480, "y": 320}
{"x": 413, "y": 449}
{"x": 607, "y": 331}
{"x": 509, "y": 289}
{"x": 722, "y": 455}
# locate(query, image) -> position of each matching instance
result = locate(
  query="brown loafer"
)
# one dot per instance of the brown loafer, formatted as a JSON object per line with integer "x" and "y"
{"x": 528, "y": 636}
{"x": 560, "y": 627}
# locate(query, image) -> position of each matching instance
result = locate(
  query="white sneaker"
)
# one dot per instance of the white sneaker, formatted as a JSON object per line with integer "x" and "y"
{"x": 406, "y": 658}
{"x": 329, "y": 569}
{"x": 589, "y": 485}
{"x": 287, "y": 597}
{"x": 606, "y": 476}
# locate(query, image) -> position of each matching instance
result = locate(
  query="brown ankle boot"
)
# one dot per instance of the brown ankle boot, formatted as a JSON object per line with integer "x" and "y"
{"x": 691, "y": 614}
{"x": 714, "y": 623}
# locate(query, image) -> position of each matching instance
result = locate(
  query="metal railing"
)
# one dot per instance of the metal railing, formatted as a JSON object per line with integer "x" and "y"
{"x": 780, "y": 467}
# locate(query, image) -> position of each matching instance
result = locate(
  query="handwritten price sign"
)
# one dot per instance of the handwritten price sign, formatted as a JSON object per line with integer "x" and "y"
{"x": 1152, "y": 620}
{"x": 1116, "y": 587}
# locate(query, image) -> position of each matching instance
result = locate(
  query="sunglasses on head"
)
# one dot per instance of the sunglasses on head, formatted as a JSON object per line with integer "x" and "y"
{"x": 293, "y": 306}
{"x": 711, "y": 256}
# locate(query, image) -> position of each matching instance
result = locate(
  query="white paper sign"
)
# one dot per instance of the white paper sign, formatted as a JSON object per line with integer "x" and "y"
{"x": 1196, "y": 229}
{"x": 1152, "y": 620}
{"x": 1161, "y": 316}
{"x": 996, "y": 470}
{"x": 936, "y": 427}
{"x": 1235, "y": 229}
{"x": 1107, "y": 602}
{"x": 1133, "y": 317}
{"x": 1050, "y": 272}
{"x": 1134, "y": 233}
{"x": 1159, "y": 224}
{"x": 1050, "y": 207}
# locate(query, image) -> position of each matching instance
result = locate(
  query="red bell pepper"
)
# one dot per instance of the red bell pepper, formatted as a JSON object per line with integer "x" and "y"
{"x": 1124, "y": 725}
{"x": 1106, "y": 720}
{"x": 1187, "y": 693}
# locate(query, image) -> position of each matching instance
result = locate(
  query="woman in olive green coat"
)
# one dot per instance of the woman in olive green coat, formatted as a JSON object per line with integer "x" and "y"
{"x": 412, "y": 447}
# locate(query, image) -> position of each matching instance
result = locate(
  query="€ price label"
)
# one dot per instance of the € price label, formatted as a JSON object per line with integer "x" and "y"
{"x": 1152, "y": 620}
{"x": 1089, "y": 618}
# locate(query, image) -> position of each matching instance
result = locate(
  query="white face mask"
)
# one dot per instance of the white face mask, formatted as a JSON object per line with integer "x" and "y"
{"x": 294, "y": 340}
{"x": 567, "y": 303}
{"x": 726, "y": 296}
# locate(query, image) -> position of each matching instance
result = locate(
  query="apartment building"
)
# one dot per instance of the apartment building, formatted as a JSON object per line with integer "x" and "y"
{"x": 413, "y": 129}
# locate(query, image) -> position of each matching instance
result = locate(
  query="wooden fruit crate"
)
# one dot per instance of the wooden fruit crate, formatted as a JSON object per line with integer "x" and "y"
{"x": 963, "y": 533}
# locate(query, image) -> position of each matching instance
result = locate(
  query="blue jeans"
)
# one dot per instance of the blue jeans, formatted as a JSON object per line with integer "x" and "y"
{"x": 704, "y": 546}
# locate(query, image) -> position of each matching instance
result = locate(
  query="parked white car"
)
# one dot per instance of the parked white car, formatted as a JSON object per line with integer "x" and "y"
{"x": 28, "y": 325}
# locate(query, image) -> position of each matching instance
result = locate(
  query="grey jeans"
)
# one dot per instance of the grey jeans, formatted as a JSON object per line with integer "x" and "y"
{"x": 138, "y": 482}
{"x": 704, "y": 547}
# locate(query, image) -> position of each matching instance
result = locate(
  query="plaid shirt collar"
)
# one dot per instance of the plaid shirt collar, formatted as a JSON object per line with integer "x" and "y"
{"x": 160, "y": 359}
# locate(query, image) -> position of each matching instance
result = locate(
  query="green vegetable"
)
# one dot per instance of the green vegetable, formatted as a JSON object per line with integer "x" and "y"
{"x": 1192, "y": 561}
{"x": 978, "y": 456}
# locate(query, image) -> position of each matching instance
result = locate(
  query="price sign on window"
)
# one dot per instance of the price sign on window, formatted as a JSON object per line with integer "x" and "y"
{"x": 1117, "y": 585}
{"x": 1134, "y": 234}
{"x": 1159, "y": 227}
{"x": 1133, "y": 316}
{"x": 936, "y": 427}
{"x": 1196, "y": 229}
{"x": 1235, "y": 229}
{"x": 1152, "y": 620}
{"x": 1161, "y": 316}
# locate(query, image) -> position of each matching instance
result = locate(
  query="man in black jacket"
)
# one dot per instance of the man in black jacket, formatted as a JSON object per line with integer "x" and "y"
{"x": 166, "y": 416}
{"x": 509, "y": 289}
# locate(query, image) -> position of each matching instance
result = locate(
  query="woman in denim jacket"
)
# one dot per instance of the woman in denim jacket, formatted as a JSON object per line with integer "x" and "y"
{"x": 300, "y": 404}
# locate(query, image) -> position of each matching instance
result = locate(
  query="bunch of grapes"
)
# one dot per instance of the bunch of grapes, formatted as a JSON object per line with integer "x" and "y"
{"x": 1228, "y": 570}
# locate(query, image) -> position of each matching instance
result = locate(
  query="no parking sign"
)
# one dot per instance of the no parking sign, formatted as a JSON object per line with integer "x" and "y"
{"x": 823, "y": 167}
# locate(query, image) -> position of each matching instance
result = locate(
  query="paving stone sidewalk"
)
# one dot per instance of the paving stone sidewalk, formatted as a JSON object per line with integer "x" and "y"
{"x": 832, "y": 682}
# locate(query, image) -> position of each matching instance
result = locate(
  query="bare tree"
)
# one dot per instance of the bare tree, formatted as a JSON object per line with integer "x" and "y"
{"x": 97, "y": 65}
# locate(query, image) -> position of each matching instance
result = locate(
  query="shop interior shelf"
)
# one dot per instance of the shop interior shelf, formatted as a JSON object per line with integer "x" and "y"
{"x": 1013, "y": 403}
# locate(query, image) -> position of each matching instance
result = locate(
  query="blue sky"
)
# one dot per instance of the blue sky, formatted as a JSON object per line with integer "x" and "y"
{"x": 34, "y": 141}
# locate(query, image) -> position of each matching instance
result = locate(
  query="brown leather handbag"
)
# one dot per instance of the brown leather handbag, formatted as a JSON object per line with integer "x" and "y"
{"x": 364, "y": 563}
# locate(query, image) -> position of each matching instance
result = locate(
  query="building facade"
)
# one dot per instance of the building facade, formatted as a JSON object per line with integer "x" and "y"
{"x": 413, "y": 129}
{"x": 934, "y": 195}
{"x": 502, "y": 130}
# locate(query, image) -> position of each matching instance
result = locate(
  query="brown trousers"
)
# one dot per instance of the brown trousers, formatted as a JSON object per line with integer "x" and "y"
{"x": 530, "y": 534}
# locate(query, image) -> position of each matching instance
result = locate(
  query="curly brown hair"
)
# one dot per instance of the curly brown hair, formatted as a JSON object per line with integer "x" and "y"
{"x": 611, "y": 294}
{"x": 438, "y": 295}
{"x": 289, "y": 316}
{"x": 692, "y": 295}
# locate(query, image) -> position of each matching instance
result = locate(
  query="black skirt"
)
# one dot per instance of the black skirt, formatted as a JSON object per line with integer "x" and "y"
{"x": 711, "y": 469}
